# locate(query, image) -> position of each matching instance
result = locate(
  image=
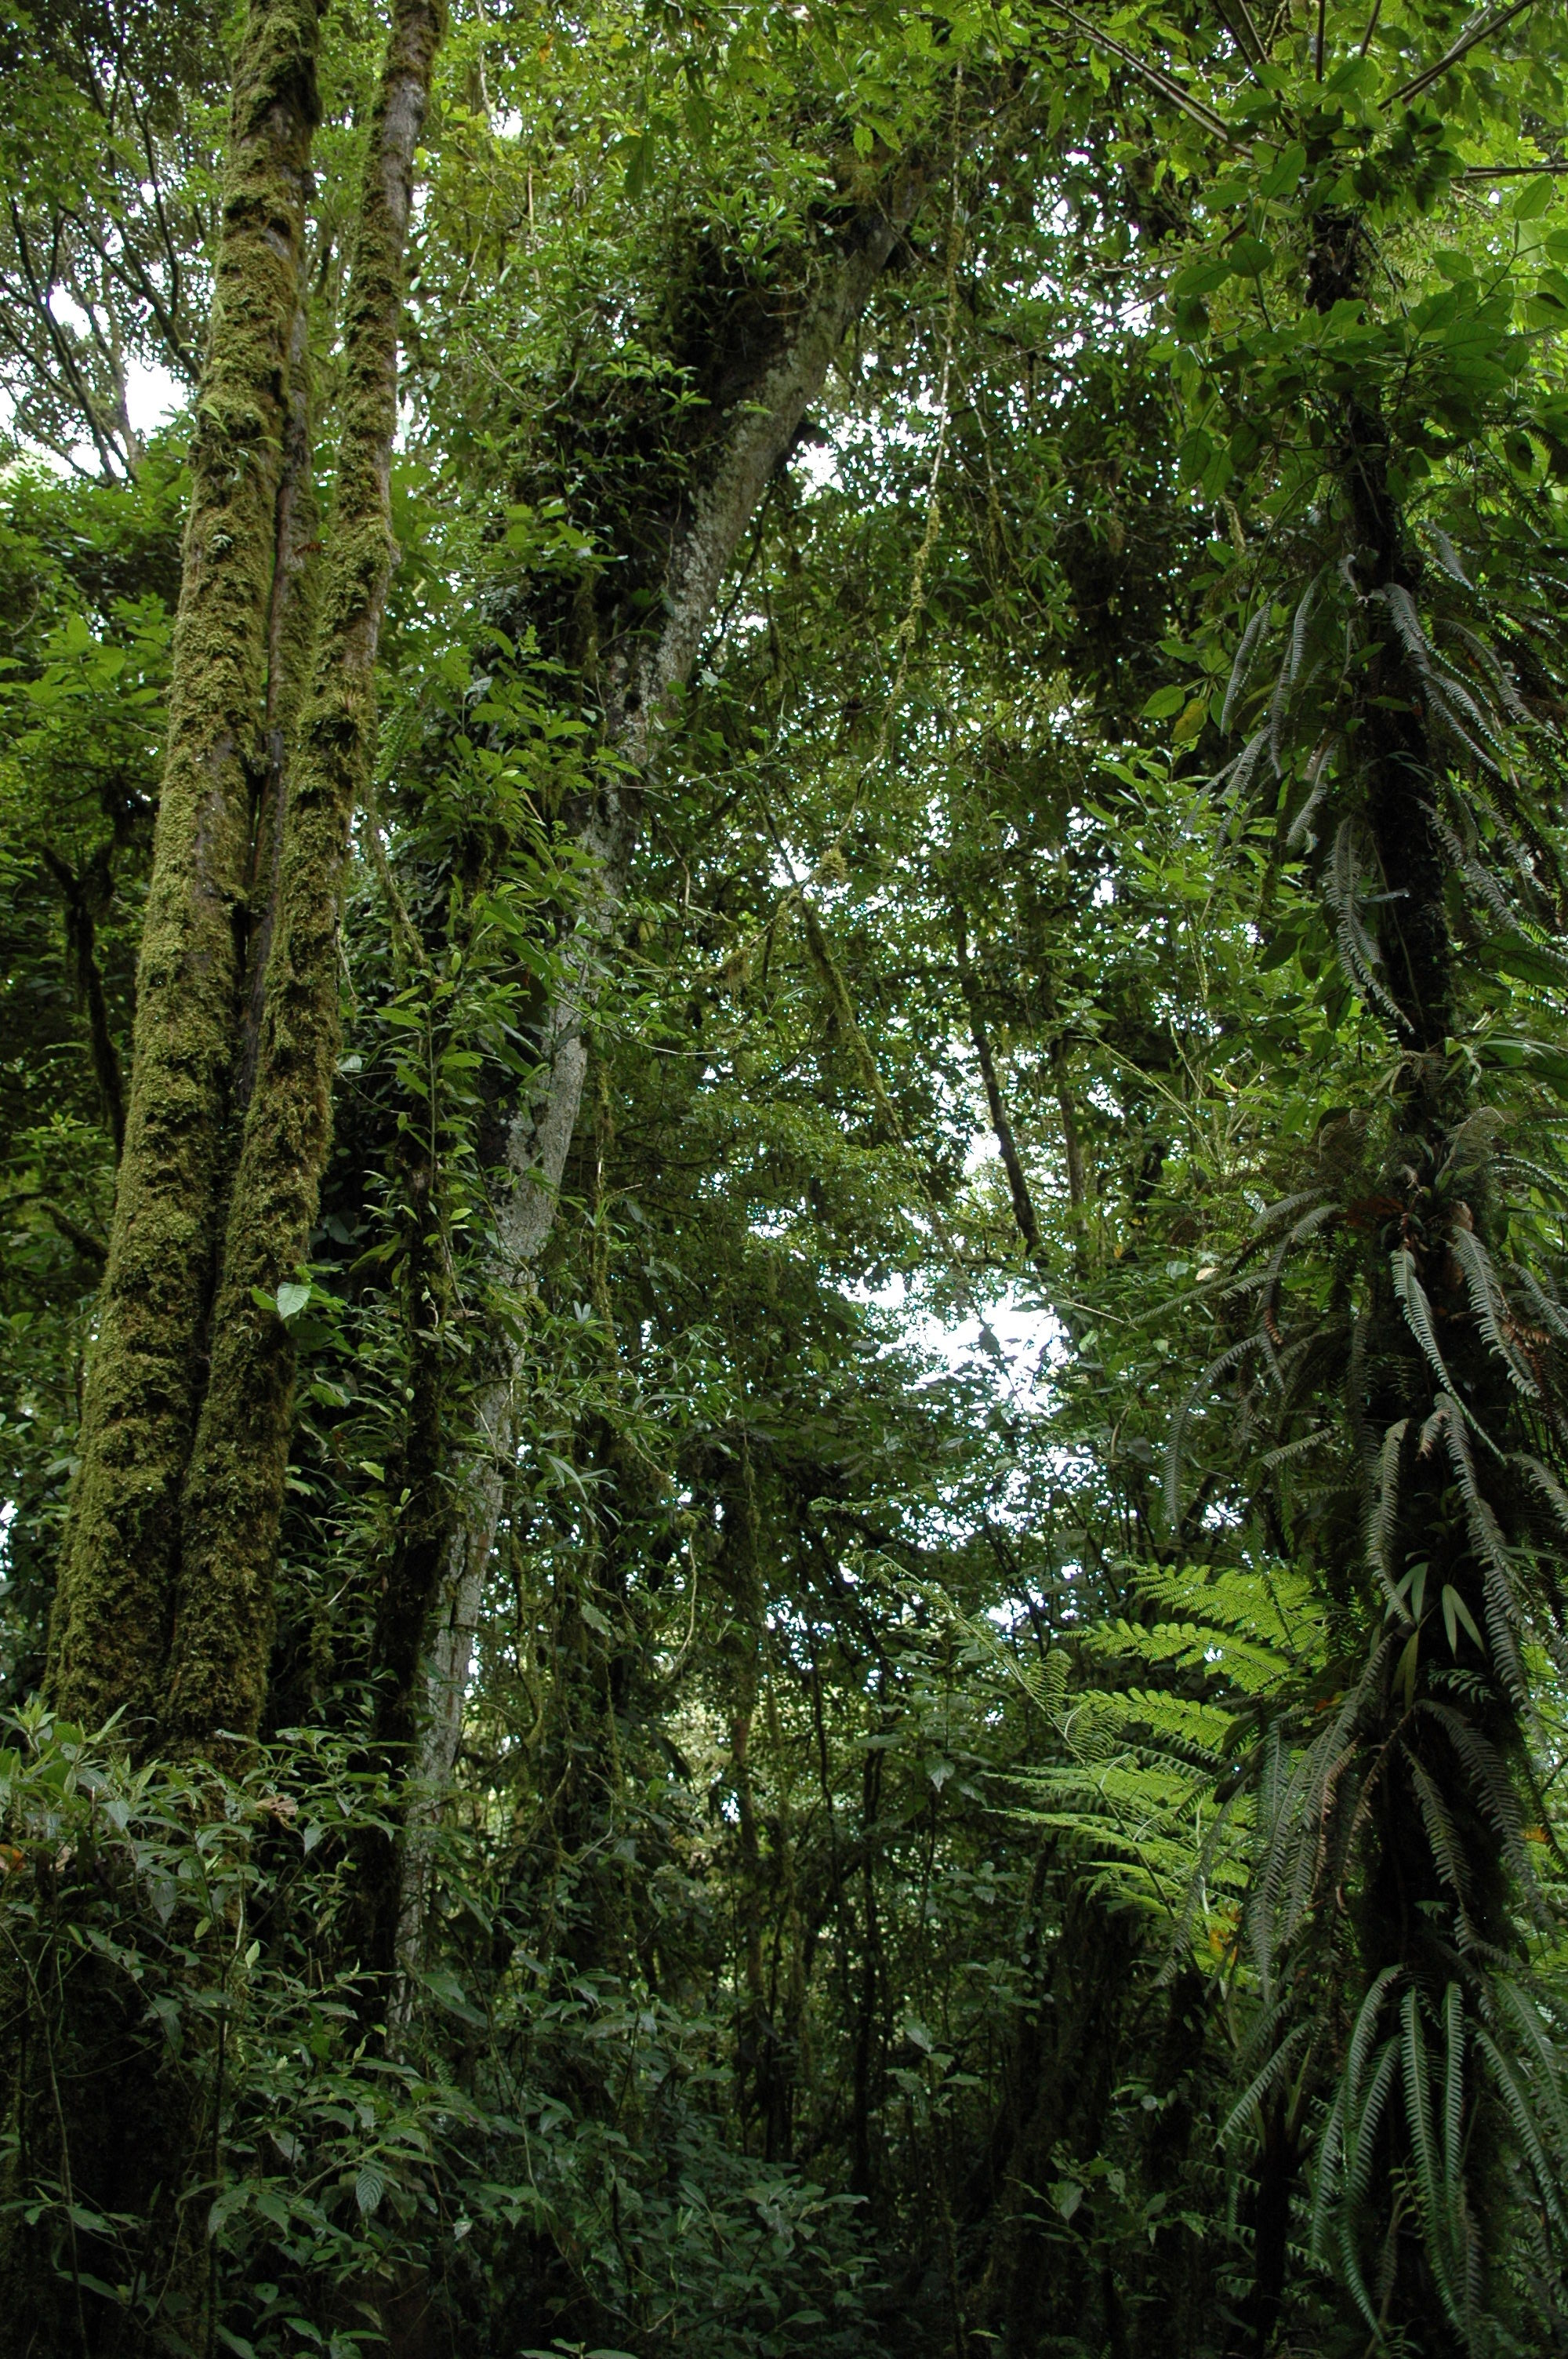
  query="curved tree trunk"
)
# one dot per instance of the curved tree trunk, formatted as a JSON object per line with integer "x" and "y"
{"x": 750, "y": 438}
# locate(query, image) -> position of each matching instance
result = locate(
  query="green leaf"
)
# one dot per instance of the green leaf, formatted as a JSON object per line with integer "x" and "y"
{"x": 1454, "y": 1610}
{"x": 1201, "y": 277}
{"x": 1164, "y": 704}
{"x": 291, "y": 1299}
{"x": 1357, "y": 77}
{"x": 1250, "y": 256}
{"x": 370, "y": 2186}
{"x": 1404, "y": 1675}
{"x": 638, "y": 153}
{"x": 1284, "y": 172}
{"x": 1534, "y": 199}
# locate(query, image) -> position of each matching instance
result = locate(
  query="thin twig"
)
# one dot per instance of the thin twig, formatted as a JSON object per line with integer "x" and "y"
{"x": 1166, "y": 84}
{"x": 1461, "y": 48}
{"x": 1507, "y": 171}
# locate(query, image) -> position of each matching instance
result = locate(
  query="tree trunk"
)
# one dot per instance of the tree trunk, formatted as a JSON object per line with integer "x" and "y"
{"x": 233, "y": 1493}
{"x": 122, "y": 2133}
{"x": 1012, "y": 1162}
{"x": 290, "y": 626}
{"x": 112, "y": 1612}
{"x": 86, "y": 897}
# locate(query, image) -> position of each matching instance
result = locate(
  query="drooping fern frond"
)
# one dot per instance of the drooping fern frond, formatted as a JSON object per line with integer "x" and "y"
{"x": 1418, "y": 1311}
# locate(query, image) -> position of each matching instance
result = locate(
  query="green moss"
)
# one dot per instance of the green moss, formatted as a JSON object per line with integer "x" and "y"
{"x": 113, "y": 1607}
{"x": 290, "y": 640}
{"x": 235, "y": 1492}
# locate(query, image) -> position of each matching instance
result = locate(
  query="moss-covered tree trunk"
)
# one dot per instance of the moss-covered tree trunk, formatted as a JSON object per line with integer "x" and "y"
{"x": 233, "y": 1493}
{"x": 164, "y": 1593}
{"x": 100, "y": 2113}
{"x": 290, "y": 628}
{"x": 111, "y": 1612}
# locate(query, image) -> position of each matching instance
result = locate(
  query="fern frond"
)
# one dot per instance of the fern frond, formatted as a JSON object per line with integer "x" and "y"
{"x": 1490, "y": 1306}
{"x": 1545, "y": 1482}
{"x": 1550, "y": 1312}
{"x": 1496, "y": 670}
{"x": 1449, "y": 556}
{"x": 1463, "y": 851}
{"x": 1263, "y": 2081}
{"x": 1382, "y": 1537}
{"x": 1241, "y": 670}
{"x": 1440, "y": 1833}
{"x": 1279, "y": 1607}
{"x": 1431, "y": 2190}
{"x": 1521, "y": 2113}
{"x": 1368, "y": 2016}
{"x": 1418, "y": 1310}
{"x": 1300, "y": 833}
{"x": 1290, "y": 1452}
{"x": 1236, "y": 777}
{"x": 1300, "y": 624}
{"x": 1359, "y": 955}
{"x": 1491, "y": 1786}
{"x": 1360, "y": 2151}
{"x": 1407, "y": 623}
{"x": 1521, "y": 1167}
{"x": 1236, "y": 1354}
{"x": 1545, "y": 2055}
{"x": 1453, "y": 2081}
{"x": 1220, "y": 1654}
{"x": 1286, "y": 1209}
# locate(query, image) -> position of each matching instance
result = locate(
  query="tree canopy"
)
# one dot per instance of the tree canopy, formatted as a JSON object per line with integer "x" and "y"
{"x": 784, "y": 1435}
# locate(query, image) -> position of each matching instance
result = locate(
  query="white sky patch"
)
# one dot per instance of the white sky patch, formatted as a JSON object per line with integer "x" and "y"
{"x": 152, "y": 394}
{"x": 818, "y": 464}
{"x": 1021, "y": 1338}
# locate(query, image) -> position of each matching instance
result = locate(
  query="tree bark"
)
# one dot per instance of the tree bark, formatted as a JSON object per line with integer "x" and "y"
{"x": 233, "y": 1493}
{"x": 86, "y": 897}
{"x": 112, "y": 1610}
{"x": 290, "y": 630}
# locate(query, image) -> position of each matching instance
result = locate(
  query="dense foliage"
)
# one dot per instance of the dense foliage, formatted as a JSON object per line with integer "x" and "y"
{"x": 784, "y": 1426}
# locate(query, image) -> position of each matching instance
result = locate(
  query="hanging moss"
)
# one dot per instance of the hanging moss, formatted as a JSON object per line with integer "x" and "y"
{"x": 112, "y": 1610}
{"x": 234, "y": 1493}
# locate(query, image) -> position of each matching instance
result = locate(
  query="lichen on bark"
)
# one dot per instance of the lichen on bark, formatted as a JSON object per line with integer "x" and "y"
{"x": 234, "y": 1492}
{"x": 111, "y": 1610}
